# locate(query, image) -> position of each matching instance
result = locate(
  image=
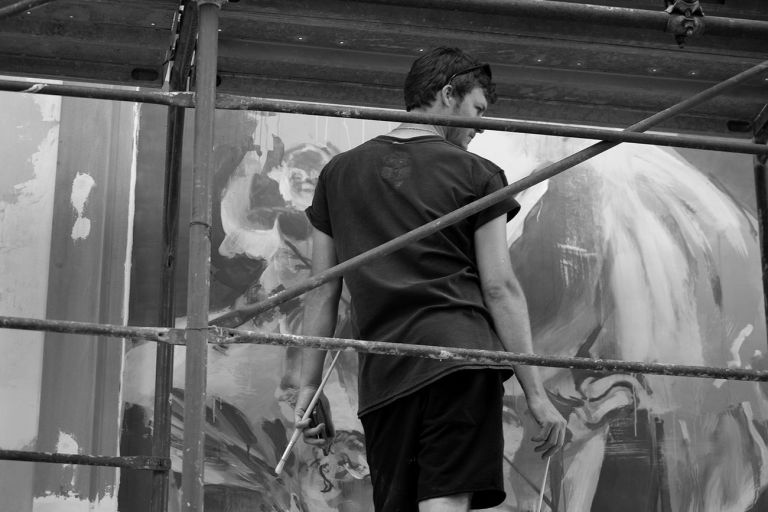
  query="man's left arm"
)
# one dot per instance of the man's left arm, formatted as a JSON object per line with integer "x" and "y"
{"x": 506, "y": 302}
{"x": 320, "y": 312}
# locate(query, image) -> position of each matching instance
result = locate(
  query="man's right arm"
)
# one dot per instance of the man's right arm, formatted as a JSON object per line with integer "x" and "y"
{"x": 320, "y": 312}
{"x": 506, "y": 302}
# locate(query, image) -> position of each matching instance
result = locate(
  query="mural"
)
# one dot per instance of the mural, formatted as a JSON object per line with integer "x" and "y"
{"x": 638, "y": 254}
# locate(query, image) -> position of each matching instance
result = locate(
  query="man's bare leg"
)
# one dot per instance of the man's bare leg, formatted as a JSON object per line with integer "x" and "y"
{"x": 455, "y": 503}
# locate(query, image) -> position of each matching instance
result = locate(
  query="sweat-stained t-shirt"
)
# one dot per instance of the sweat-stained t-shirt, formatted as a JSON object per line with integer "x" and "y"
{"x": 427, "y": 293}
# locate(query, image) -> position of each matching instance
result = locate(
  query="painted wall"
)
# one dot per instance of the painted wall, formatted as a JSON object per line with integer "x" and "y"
{"x": 644, "y": 254}
{"x": 29, "y": 133}
{"x": 66, "y": 209}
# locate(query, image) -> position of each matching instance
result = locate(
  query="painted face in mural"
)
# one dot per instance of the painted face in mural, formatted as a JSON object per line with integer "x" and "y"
{"x": 473, "y": 104}
{"x": 298, "y": 175}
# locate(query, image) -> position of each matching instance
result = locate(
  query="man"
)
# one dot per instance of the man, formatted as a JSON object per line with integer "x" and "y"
{"x": 433, "y": 428}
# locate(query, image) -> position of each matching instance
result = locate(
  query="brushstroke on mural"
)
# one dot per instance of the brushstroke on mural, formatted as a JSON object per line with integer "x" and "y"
{"x": 634, "y": 255}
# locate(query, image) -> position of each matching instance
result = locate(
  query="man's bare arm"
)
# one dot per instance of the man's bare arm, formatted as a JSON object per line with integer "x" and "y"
{"x": 320, "y": 311}
{"x": 506, "y": 302}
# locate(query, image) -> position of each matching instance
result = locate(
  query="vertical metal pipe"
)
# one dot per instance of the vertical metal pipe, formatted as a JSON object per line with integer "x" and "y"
{"x": 761, "y": 196}
{"x": 198, "y": 285}
{"x": 161, "y": 433}
{"x": 182, "y": 56}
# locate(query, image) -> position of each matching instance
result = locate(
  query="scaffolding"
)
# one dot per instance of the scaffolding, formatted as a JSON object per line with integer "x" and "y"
{"x": 199, "y": 333}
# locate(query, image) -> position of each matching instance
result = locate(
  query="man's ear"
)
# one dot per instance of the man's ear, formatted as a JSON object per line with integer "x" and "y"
{"x": 446, "y": 96}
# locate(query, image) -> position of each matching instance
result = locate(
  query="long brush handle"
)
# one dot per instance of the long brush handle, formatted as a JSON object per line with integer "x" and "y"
{"x": 307, "y": 413}
{"x": 543, "y": 485}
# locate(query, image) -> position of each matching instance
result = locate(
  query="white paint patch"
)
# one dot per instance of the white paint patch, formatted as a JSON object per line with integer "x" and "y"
{"x": 81, "y": 189}
{"x": 67, "y": 444}
{"x": 735, "y": 362}
{"x": 72, "y": 503}
{"x": 35, "y": 88}
{"x": 81, "y": 228}
{"x": 243, "y": 236}
{"x": 736, "y": 346}
{"x": 50, "y": 107}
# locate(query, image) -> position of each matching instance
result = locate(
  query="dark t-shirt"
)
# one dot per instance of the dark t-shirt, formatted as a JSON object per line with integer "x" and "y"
{"x": 427, "y": 293}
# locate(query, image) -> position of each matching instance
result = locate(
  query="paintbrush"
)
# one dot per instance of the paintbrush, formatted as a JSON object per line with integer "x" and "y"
{"x": 307, "y": 414}
{"x": 543, "y": 484}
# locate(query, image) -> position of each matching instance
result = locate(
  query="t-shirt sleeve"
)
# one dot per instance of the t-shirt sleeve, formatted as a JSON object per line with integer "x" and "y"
{"x": 318, "y": 212}
{"x": 508, "y": 205}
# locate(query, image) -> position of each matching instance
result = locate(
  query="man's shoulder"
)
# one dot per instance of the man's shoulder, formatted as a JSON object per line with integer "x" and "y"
{"x": 482, "y": 165}
{"x": 345, "y": 157}
{"x": 477, "y": 161}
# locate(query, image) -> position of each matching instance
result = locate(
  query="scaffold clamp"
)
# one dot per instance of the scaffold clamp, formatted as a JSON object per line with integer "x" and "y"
{"x": 686, "y": 19}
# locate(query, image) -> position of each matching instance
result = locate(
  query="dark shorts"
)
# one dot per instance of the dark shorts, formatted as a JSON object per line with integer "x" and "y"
{"x": 441, "y": 440}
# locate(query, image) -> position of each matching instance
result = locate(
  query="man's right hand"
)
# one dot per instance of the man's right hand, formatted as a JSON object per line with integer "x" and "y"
{"x": 316, "y": 435}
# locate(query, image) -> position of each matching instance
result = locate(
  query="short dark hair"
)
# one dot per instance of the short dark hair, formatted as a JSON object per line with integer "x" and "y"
{"x": 432, "y": 71}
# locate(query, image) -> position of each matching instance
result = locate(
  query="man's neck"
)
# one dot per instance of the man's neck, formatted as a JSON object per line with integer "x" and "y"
{"x": 410, "y": 130}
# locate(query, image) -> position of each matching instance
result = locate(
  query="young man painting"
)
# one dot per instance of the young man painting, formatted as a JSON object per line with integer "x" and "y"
{"x": 433, "y": 428}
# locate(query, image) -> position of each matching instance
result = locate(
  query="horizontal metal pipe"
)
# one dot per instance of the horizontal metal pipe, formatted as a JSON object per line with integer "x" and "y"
{"x": 235, "y": 102}
{"x": 232, "y": 336}
{"x": 19, "y": 7}
{"x": 588, "y": 13}
{"x": 147, "y": 95}
{"x": 129, "y": 462}
{"x": 239, "y": 316}
{"x": 488, "y": 123}
{"x": 159, "y": 334}
{"x": 219, "y": 335}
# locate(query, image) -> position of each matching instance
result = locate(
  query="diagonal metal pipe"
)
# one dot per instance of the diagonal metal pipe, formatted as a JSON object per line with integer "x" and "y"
{"x": 237, "y": 317}
{"x": 19, "y": 7}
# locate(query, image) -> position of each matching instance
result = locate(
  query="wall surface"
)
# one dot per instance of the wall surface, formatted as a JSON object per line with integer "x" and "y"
{"x": 29, "y": 136}
{"x": 643, "y": 254}
{"x": 67, "y": 186}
